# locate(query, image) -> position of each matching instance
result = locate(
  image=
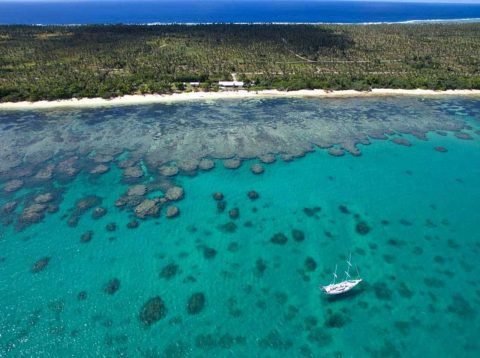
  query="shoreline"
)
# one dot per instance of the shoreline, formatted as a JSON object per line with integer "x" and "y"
{"x": 129, "y": 100}
{"x": 463, "y": 20}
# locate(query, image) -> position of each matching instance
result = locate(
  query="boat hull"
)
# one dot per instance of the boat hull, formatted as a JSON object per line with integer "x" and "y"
{"x": 341, "y": 287}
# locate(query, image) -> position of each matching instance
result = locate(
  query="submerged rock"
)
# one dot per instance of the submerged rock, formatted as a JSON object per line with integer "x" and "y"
{"x": 221, "y": 206}
{"x": 133, "y": 172}
{"x": 168, "y": 170}
{"x": 336, "y": 320}
{"x": 40, "y": 265}
{"x": 52, "y": 208}
{"x": 420, "y": 134}
{"x": 9, "y": 207}
{"x": 206, "y": 164}
{"x": 353, "y": 150}
{"x": 169, "y": 271}
{"x": 147, "y": 207}
{"x": 232, "y": 163}
{"x": 260, "y": 267}
{"x": 253, "y": 195}
{"x": 129, "y": 201}
{"x": 382, "y": 292}
{"x": 13, "y": 185}
{"x": 112, "y": 286}
{"x": 32, "y": 214}
{"x": 174, "y": 193}
{"x": 102, "y": 158}
{"x": 233, "y": 247}
{"x": 405, "y": 222}
{"x": 362, "y": 228}
{"x": 67, "y": 167}
{"x": 123, "y": 164}
{"x": 229, "y": 227}
{"x": 234, "y": 213}
{"x": 441, "y": 149}
{"x": 152, "y": 311}
{"x": 133, "y": 224}
{"x": 298, "y": 235}
{"x": 312, "y": 211}
{"x": 137, "y": 190}
{"x": 98, "y": 213}
{"x": 111, "y": 227}
{"x": 279, "y": 239}
{"x": 217, "y": 196}
{"x": 257, "y": 169}
{"x": 45, "y": 173}
{"x": 99, "y": 169}
{"x": 38, "y": 156}
{"x": 462, "y": 135}
{"x": 81, "y": 207}
{"x": 86, "y": 203}
{"x": 121, "y": 202}
{"x": 86, "y": 237}
{"x": 267, "y": 158}
{"x": 196, "y": 303}
{"x": 188, "y": 165}
{"x": 18, "y": 172}
{"x": 287, "y": 157}
{"x": 310, "y": 264}
{"x": 172, "y": 211}
{"x": 461, "y": 307}
{"x": 336, "y": 152}
{"x": 44, "y": 198}
{"x": 402, "y": 141}
{"x": 209, "y": 253}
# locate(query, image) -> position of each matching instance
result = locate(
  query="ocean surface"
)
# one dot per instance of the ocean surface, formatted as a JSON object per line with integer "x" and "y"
{"x": 227, "y": 11}
{"x": 81, "y": 274}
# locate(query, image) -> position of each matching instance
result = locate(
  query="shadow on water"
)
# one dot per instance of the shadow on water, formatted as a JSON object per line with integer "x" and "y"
{"x": 344, "y": 296}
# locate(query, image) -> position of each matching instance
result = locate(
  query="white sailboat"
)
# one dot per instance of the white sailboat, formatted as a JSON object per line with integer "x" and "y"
{"x": 346, "y": 285}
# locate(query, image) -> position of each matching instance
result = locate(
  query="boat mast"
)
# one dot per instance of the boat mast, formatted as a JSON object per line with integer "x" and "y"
{"x": 358, "y": 273}
{"x": 349, "y": 264}
{"x": 334, "y": 275}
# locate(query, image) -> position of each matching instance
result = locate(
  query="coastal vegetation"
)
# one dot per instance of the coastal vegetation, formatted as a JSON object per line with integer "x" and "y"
{"x": 59, "y": 62}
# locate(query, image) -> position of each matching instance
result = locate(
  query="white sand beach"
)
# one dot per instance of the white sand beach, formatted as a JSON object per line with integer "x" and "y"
{"x": 192, "y": 96}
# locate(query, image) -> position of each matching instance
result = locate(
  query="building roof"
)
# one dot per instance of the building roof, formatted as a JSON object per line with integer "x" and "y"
{"x": 230, "y": 83}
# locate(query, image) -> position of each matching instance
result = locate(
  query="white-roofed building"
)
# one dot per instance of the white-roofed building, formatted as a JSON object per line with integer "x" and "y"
{"x": 230, "y": 84}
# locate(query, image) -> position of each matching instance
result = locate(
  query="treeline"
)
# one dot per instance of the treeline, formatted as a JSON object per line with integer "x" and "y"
{"x": 56, "y": 62}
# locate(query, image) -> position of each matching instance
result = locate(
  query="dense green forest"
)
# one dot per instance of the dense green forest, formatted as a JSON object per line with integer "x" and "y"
{"x": 39, "y": 62}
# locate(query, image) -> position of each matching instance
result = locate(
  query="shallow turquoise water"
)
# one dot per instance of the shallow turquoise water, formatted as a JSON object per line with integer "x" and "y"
{"x": 419, "y": 261}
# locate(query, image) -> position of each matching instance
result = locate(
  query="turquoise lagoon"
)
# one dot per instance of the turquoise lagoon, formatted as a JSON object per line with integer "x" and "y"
{"x": 418, "y": 252}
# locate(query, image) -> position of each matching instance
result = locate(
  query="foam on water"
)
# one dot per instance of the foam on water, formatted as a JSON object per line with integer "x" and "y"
{"x": 419, "y": 259}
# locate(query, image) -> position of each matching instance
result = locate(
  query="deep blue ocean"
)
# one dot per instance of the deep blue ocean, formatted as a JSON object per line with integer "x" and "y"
{"x": 227, "y": 11}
